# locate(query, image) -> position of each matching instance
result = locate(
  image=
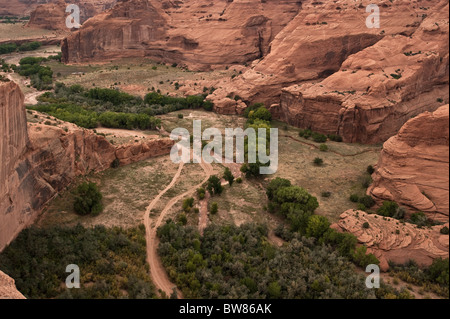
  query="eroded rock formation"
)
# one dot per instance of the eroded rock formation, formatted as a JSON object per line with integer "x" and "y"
{"x": 413, "y": 169}
{"x": 8, "y": 288}
{"x": 390, "y": 240}
{"x": 52, "y": 16}
{"x": 37, "y": 164}
{"x": 375, "y": 79}
{"x": 201, "y": 35}
{"x": 89, "y": 8}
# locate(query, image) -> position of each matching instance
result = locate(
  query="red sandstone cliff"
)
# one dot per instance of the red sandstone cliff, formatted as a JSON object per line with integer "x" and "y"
{"x": 413, "y": 169}
{"x": 38, "y": 163}
{"x": 375, "y": 79}
{"x": 89, "y": 8}
{"x": 194, "y": 33}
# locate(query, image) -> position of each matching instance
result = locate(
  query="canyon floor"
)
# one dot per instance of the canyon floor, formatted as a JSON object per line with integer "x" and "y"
{"x": 146, "y": 190}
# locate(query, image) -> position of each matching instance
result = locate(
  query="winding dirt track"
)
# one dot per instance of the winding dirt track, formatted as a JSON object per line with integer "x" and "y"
{"x": 157, "y": 271}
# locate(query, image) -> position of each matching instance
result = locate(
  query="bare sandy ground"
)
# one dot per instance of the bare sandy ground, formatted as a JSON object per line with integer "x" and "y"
{"x": 157, "y": 271}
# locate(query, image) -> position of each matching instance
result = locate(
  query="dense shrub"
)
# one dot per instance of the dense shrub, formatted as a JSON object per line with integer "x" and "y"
{"x": 29, "y": 46}
{"x": 128, "y": 121}
{"x": 228, "y": 176}
{"x": 367, "y": 201}
{"x": 318, "y": 161}
{"x": 238, "y": 262}
{"x": 88, "y": 199}
{"x": 41, "y": 76}
{"x": 83, "y": 117}
{"x": 335, "y": 138}
{"x": 201, "y": 193}
{"x": 188, "y": 203}
{"x": 261, "y": 113}
{"x": 214, "y": 208}
{"x": 434, "y": 278}
{"x": 8, "y": 48}
{"x": 112, "y": 262}
{"x": 420, "y": 219}
{"x": 354, "y": 198}
{"x": 214, "y": 185}
{"x": 252, "y": 108}
{"x": 388, "y": 209}
{"x": 110, "y": 95}
{"x": 319, "y": 138}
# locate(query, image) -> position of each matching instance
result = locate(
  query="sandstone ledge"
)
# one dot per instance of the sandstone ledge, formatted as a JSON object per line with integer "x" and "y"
{"x": 390, "y": 240}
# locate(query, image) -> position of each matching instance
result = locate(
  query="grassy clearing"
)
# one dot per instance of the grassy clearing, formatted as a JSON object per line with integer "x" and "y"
{"x": 19, "y": 31}
{"x": 127, "y": 191}
{"x": 342, "y": 173}
{"x": 241, "y": 203}
{"x": 171, "y": 121}
{"x": 134, "y": 76}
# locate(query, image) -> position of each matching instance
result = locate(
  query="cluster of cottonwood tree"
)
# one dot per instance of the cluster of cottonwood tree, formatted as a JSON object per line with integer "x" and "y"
{"x": 111, "y": 260}
{"x": 239, "y": 262}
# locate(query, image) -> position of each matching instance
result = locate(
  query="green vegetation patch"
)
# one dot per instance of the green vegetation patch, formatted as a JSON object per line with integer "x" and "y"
{"x": 112, "y": 262}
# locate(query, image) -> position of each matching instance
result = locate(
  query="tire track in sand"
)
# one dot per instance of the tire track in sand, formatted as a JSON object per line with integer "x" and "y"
{"x": 157, "y": 272}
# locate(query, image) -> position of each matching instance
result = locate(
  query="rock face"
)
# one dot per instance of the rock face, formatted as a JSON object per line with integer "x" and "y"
{"x": 51, "y": 16}
{"x": 374, "y": 80}
{"x": 36, "y": 165}
{"x": 390, "y": 240}
{"x": 315, "y": 64}
{"x": 413, "y": 169}
{"x": 88, "y": 8}
{"x": 8, "y": 288}
{"x": 199, "y": 34}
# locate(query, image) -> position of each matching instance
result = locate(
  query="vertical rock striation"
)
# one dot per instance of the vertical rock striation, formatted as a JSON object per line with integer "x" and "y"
{"x": 413, "y": 169}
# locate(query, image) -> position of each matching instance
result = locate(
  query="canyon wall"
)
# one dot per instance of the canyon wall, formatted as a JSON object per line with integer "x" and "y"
{"x": 52, "y": 16}
{"x": 315, "y": 64}
{"x": 37, "y": 164}
{"x": 328, "y": 72}
{"x": 413, "y": 169}
{"x": 200, "y": 35}
{"x": 88, "y": 8}
{"x": 13, "y": 145}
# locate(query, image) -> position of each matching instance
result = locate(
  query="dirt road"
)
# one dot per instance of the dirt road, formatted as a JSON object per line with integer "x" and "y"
{"x": 157, "y": 271}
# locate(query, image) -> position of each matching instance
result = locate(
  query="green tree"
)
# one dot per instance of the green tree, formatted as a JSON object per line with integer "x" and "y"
{"x": 88, "y": 199}
{"x": 317, "y": 226}
{"x": 201, "y": 193}
{"x": 274, "y": 290}
{"x": 275, "y": 185}
{"x": 318, "y": 161}
{"x": 214, "y": 208}
{"x": 261, "y": 113}
{"x": 388, "y": 209}
{"x": 228, "y": 176}
{"x": 188, "y": 203}
{"x": 367, "y": 201}
{"x": 214, "y": 186}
